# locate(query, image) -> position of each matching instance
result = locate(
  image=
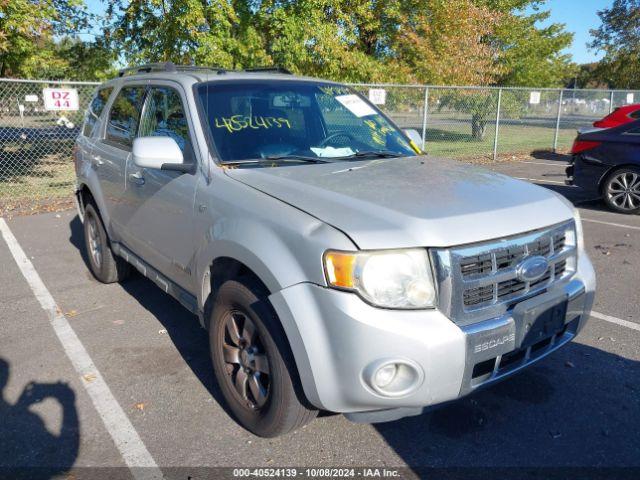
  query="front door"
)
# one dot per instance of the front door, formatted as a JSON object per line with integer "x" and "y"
{"x": 161, "y": 203}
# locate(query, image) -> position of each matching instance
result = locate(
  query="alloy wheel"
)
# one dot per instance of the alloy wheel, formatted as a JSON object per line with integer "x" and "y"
{"x": 246, "y": 363}
{"x": 95, "y": 247}
{"x": 624, "y": 191}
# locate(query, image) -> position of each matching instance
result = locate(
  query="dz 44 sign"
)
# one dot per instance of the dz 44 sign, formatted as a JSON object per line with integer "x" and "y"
{"x": 60, "y": 99}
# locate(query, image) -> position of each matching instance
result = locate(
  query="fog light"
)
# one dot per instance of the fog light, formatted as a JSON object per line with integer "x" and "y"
{"x": 394, "y": 377}
{"x": 385, "y": 375}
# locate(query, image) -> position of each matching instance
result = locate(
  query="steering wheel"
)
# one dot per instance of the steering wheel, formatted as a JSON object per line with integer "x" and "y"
{"x": 333, "y": 136}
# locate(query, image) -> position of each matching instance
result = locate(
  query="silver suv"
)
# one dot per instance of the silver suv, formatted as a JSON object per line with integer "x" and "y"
{"x": 335, "y": 266}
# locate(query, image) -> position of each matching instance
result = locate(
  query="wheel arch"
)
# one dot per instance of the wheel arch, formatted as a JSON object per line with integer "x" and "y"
{"x": 87, "y": 192}
{"x": 610, "y": 171}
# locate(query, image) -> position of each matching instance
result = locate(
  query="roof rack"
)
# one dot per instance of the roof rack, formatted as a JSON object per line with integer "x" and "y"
{"x": 165, "y": 67}
{"x": 274, "y": 69}
{"x": 172, "y": 67}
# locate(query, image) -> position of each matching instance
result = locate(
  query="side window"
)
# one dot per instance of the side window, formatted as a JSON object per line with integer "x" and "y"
{"x": 124, "y": 116}
{"x": 164, "y": 117}
{"x": 635, "y": 114}
{"x": 95, "y": 109}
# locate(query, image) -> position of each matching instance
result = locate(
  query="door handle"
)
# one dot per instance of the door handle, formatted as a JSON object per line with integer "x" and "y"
{"x": 137, "y": 178}
{"x": 96, "y": 160}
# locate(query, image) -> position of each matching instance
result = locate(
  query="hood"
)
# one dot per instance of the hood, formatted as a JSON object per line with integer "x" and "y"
{"x": 410, "y": 202}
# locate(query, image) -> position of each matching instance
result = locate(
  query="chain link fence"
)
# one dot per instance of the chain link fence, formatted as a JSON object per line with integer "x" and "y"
{"x": 36, "y": 142}
{"x": 492, "y": 122}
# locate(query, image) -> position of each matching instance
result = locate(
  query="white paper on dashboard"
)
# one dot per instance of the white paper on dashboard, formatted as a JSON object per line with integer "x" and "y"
{"x": 356, "y": 105}
{"x": 332, "y": 152}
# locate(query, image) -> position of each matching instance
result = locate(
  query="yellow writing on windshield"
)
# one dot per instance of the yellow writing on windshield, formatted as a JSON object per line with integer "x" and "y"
{"x": 378, "y": 132}
{"x": 256, "y": 122}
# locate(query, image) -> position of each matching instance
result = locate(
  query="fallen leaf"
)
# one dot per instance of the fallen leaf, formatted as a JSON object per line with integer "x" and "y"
{"x": 89, "y": 377}
{"x": 139, "y": 406}
{"x": 163, "y": 331}
{"x": 71, "y": 313}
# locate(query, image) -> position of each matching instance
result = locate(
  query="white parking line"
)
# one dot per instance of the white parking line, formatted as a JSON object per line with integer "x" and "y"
{"x": 124, "y": 435}
{"x": 539, "y": 180}
{"x": 617, "y": 321}
{"x": 621, "y": 225}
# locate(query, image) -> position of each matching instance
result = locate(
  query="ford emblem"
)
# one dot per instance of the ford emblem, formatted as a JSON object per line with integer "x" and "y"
{"x": 532, "y": 268}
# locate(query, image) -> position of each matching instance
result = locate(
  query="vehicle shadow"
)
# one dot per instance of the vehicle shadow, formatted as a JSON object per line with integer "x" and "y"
{"x": 184, "y": 329}
{"x": 27, "y": 448}
{"x": 550, "y": 155}
{"x": 579, "y": 407}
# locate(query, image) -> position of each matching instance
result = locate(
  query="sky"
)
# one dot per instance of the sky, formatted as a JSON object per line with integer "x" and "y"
{"x": 579, "y": 16}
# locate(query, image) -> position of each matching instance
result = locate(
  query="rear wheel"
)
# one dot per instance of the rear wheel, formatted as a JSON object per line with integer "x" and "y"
{"x": 253, "y": 362}
{"x": 103, "y": 263}
{"x": 621, "y": 190}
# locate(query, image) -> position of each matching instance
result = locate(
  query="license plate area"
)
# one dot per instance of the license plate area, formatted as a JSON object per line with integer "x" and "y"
{"x": 539, "y": 318}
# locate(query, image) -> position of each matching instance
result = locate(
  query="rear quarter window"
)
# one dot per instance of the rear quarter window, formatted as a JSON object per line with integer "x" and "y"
{"x": 124, "y": 116}
{"x": 95, "y": 110}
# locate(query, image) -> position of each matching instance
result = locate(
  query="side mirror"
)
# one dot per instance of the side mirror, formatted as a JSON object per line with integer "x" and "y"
{"x": 160, "y": 153}
{"x": 414, "y": 136}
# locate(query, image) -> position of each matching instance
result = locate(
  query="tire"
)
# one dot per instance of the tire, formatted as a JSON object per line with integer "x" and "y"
{"x": 621, "y": 190}
{"x": 253, "y": 363}
{"x": 105, "y": 266}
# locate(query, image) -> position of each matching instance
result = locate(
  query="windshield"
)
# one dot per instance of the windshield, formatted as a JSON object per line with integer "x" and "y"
{"x": 250, "y": 120}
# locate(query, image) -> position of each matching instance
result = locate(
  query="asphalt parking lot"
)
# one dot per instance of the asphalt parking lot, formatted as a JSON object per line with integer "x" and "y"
{"x": 579, "y": 407}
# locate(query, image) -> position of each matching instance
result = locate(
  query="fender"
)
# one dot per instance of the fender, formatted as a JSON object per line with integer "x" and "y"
{"x": 91, "y": 183}
{"x": 272, "y": 255}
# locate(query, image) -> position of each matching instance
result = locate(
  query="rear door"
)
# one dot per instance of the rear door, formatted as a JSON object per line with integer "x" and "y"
{"x": 86, "y": 139}
{"x": 112, "y": 150}
{"x": 159, "y": 227}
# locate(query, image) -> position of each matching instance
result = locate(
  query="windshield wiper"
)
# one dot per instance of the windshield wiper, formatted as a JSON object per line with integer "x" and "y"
{"x": 270, "y": 159}
{"x": 296, "y": 158}
{"x": 371, "y": 153}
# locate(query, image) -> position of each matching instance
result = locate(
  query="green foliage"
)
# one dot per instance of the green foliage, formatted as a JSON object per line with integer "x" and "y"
{"x": 27, "y": 28}
{"x": 619, "y": 38}
{"x": 483, "y": 42}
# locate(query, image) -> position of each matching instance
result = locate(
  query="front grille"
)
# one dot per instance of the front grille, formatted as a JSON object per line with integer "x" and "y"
{"x": 483, "y": 278}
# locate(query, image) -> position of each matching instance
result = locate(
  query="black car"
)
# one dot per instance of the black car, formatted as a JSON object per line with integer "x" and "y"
{"x": 606, "y": 163}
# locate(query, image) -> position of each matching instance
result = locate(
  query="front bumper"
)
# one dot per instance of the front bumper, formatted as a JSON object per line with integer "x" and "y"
{"x": 336, "y": 338}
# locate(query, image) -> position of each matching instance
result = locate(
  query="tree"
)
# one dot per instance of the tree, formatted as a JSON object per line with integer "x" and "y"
{"x": 619, "y": 38}
{"x": 532, "y": 55}
{"x": 524, "y": 55}
{"x": 445, "y": 43}
{"x": 27, "y": 28}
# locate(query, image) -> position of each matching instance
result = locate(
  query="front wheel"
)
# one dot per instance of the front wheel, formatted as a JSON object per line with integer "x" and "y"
{"x": 253, "y": 362}
{"x": 621, "y": 190}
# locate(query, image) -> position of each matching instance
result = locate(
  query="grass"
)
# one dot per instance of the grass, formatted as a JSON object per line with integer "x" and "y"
{"x": 455, "y": 140}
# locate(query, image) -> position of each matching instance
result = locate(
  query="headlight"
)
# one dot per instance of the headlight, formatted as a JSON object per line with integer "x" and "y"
{"x": 391, "y": 278}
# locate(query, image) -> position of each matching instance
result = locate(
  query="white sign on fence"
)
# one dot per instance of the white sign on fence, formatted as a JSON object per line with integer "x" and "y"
{"x": 59, "y": 99}
{"x": 31, "y": 98}
{"x": 377, "y": 96}
{"x": 534, "y": 98}
{"x": 629, "y": 98}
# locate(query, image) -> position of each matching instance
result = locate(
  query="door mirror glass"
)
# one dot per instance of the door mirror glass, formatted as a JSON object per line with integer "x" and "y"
{"x": 414, "y": 136}
{"x": 161, "y": 153}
